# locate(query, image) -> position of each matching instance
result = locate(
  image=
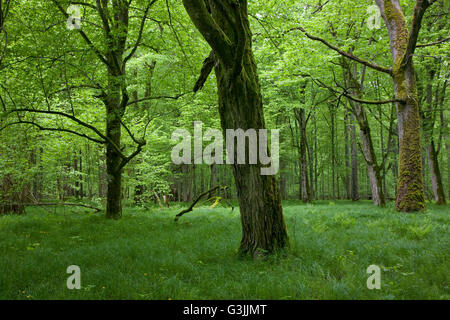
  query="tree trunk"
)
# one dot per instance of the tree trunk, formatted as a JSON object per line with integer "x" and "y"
{"x": 333, "y": 148}
{"x": 348, "y": 187}
{"x": 370, "y": 157}
{"x": 213, "y": 180}
{"x": 368, "y": 150}
{"x": 436, "y": 180}
{"x": 226, "y": 27}
{"x": 410, "y": 194}
{"x": 355, "y": 192}
{"x": 432, "y": 154}
{"x": 305, "y": 193}
{"x": 113, "y": 166}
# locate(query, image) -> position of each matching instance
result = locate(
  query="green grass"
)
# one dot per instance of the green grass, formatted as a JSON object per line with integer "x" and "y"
{"x": 146, "y": 256}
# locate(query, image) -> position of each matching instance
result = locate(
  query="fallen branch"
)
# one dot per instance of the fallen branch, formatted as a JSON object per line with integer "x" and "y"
{"x": 62, "y": 204}
{"x": 191, "y": 207}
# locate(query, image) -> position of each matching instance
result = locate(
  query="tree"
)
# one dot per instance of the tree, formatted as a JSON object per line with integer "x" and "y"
{"x": 410, "y": 196}
{"x": 113, "y": 51}
{"x": 224, "y": 25}
{"x": 410, "y": 185}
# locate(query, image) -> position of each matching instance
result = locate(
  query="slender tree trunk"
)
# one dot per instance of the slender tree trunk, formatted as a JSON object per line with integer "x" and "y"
{"x": 432, "y": 155}
{"x": 368, "y": 150}
{"x": 348, "y": 187}
{"x": 305, "y": 193}
{"x": 333, "y": 147}
{"x": 355, "y": 191}
{"x": 370, "y": 157}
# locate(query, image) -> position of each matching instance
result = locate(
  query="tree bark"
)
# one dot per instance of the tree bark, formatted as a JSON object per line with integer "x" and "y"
{"x": 410, "y": 194}
{"x": 225, "y": 26}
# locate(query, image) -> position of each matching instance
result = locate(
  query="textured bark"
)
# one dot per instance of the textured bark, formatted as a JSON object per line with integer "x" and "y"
{"x": 225, "y": 26}
{"x": 113, "y": 166}
{"x": 410, "y": 194}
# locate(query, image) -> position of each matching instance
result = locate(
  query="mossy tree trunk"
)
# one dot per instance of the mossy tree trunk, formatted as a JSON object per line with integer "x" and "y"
{"x": 224, "y": 25}
{"x": 113, "y": 156}
{"x": 410, "y": 194}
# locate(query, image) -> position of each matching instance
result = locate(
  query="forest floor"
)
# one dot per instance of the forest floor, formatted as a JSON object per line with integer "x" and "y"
{"x": 145, "y": 255}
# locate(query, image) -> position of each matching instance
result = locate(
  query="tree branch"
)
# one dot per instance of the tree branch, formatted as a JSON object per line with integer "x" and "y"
{"x": 209, "y": 29}
{"x": 141, "y": 30}
{"x": 80, "y": 122}
{"x": 419, "y": 11}
{"x": 208, "y": 65}
{"x": 432, "y": 43}
{"x": 345, "y": 54}
{"x": 53, "y": 129}
{"x": 191, "y": 207}
{"x": 176, "y": 97}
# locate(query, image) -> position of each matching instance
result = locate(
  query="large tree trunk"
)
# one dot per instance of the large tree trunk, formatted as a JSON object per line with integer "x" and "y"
{"x": 410, "y": 194}
{"x": 225, "y": 26}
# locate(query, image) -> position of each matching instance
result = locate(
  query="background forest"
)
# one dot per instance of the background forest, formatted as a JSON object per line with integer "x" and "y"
{"x": 89, "y": 100}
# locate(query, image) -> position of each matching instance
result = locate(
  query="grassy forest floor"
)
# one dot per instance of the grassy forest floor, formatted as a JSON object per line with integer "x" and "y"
{"x": 146, "y": 255}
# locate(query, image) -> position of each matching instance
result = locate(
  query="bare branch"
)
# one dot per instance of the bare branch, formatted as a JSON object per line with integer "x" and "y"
{"x": 433, "y": 43}
{"x": 80, "y": 122}
{"x": 176, "y": 97}
{"x": 345, "y": 54}
{"x": 53, "y": 129}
